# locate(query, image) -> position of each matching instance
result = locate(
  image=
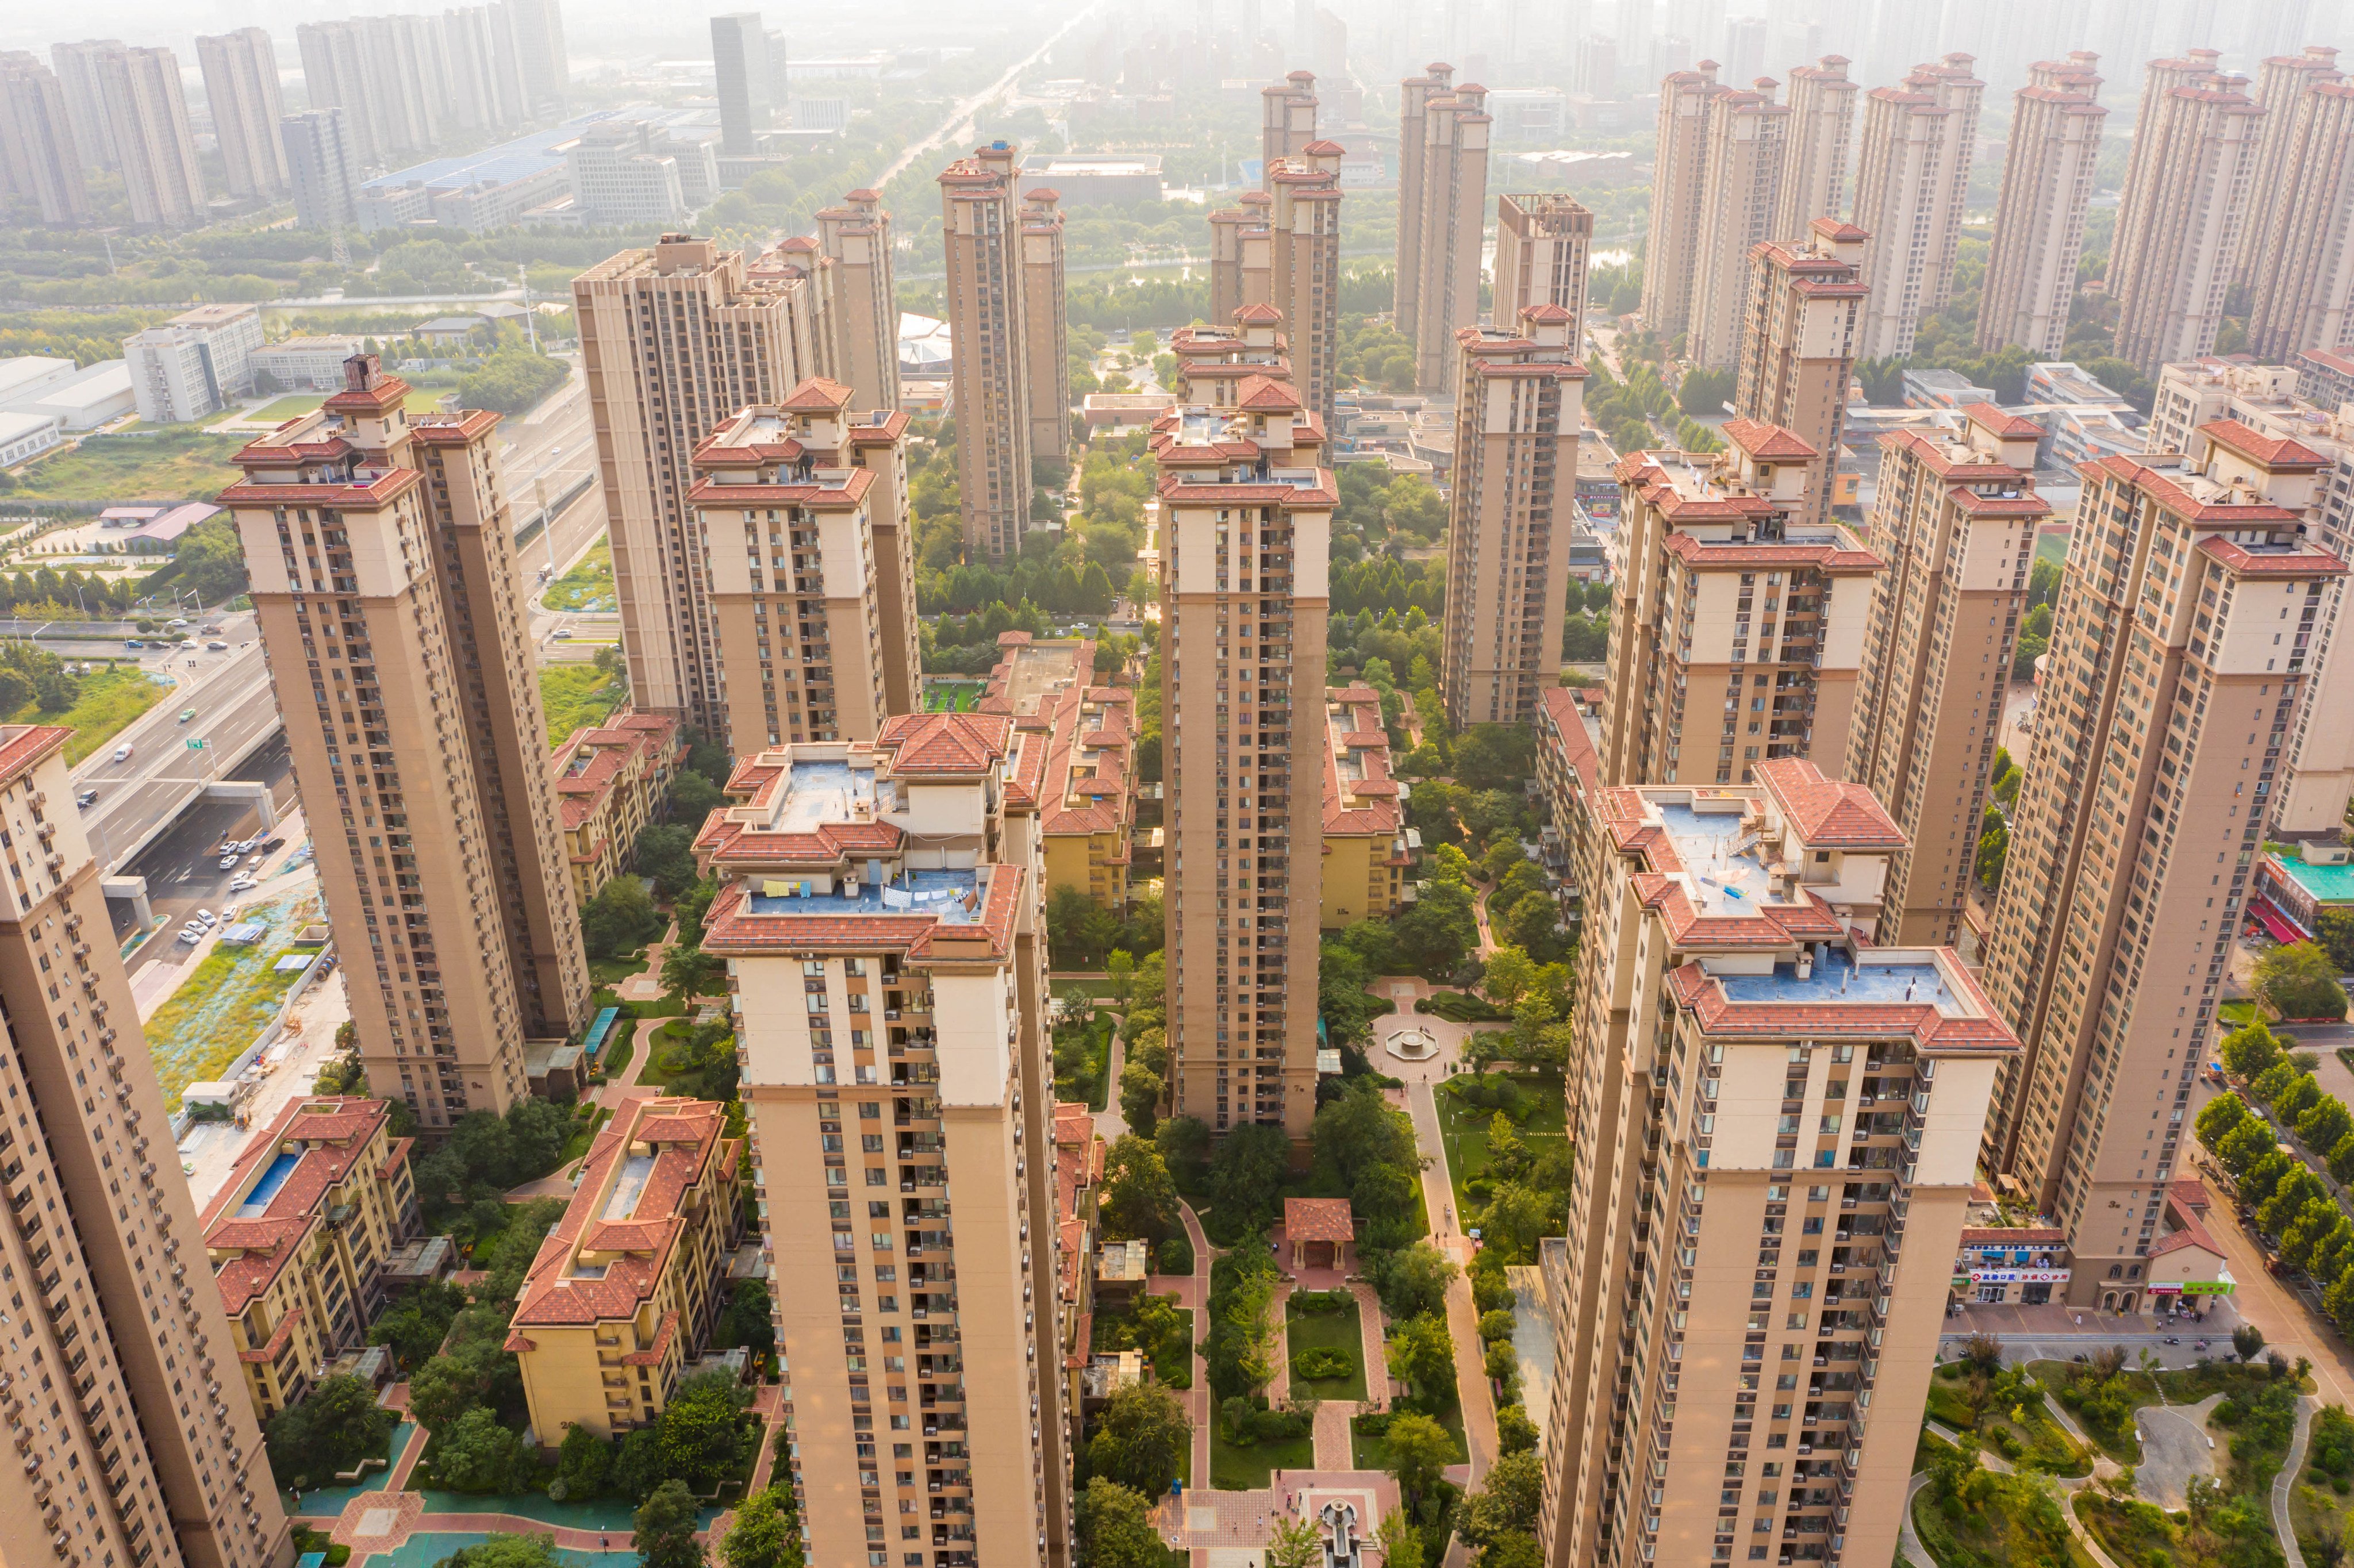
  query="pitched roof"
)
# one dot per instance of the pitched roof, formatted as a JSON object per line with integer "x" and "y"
{"x": 946, "y": 745}
{"x": 1763, "y": 441}
{"x": 1318, "y": 1219}
{"x": 2273, "y": 451}
{"x": 2008, "y": 427}
{"x": 1828, "y": 813}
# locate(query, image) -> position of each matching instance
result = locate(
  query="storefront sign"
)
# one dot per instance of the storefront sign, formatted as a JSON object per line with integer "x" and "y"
{"x": 2021, "y": 1276}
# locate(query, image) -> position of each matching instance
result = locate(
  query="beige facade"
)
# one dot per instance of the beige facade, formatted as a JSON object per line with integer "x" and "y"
{"x": 2182, "y": 643}
{"x": 1748, "y": 138}
{"x": 1074, "y": 752}
{"x": 2182, "y": 216}
{"x": 1046, "y": 335}
{"x": 1415, "y": 95}
{"x": 611, "y": 780}
{"x": 1240, "y": 241}
{"x": 1954, "y": 520}
{"x": 298, "y": 1238}
{"x": 1287, "y": 118}
{"x": 990, "y": 373}
{"x": 1519, "y": 407}
{"x": 1447, "y": 225}
{"x": 1247, "y": 515}
{"x": 1303, "y": 273}
{"x": 383, "y": 572}
{"x": 1737, "y": 628}
{"x": 626, "y": 1287}
{"x": 1677, "y": 233}
{"x": 791, "y": 497}
{"x": 1789, "y": 1111}
{"x": 119, "y": 1365}
{"x": 1912, "y": 176}
{"x": 2303, "y": 255}
{"x": 140, "y": 93}
{"x": 881, "y": 914}
{"x": 856, "y": 236}
{"x": 2282, "y": 82}
{"x": 2039, "y": 220}
{"x": 1799, "y": 323}
{"x": 1366, "y": 850}
{"x": 1814, "y": 169}
{"x": 240, "y": 72}
{"x": 1543, "y": 245}
{"x": 673, "y": 339}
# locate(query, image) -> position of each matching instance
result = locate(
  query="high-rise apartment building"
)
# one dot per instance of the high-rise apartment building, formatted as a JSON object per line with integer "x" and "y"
{"x": 1243, "y": 602}
{"x": 240, "y": 73}
{"x": 37, "y": 156}
{"x": 2304, "y": 264}
{"x": 1519, "y": 406}
{"x": 1543, "y": 245}
{"x": 538, "y": 28}
{"x": 2282, "y": 82}
{"x": 1673, "y": 250}
{"x": 2185, "y": 634}
{"x": 802, "y": 507}
{"x": 77, "y": 69}
{"x": 856, "y": 236}
{"x": 881, "y": 914}
{"x": 1797, "y": 338}
{"x": 1046, "y": 335}
{"x": 675, "y": 340}
{"x": 1737, "y": 627}
{"x": 1814, "y": 170}
{"x": 989, "y": 375}
{"x": 1747, "y": 137}
{"x": 739, "y": 62}
{"x": 1912, "y": 175}
{"x": 1287, "y": 119}
{"x": 1240, "y": 241}
{"x": 483, "y": 70}
{"x": 383, "y": 73}
{"x": 2039, "y": 220}
{"x": 121, "y": 1381}
{"x": 391, "y": 614}
{"x": 1441, "y": 235}
{"x": 1303, "y": 271}
{"x": 147, "y": 121}
{"x": 321, "y": 169}
{"x": 1789, "y": 1110}
{"x": 1954, "y": 522}
{"x": 2182, "y": 216}
{"x": 1415, "y": 94}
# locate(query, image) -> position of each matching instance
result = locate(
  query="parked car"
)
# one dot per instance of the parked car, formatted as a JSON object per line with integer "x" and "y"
{"x": 243, "y": 884}
{"x": 273, "y": 842}
{"x": 191, "y": 938}
{"x": 133, "y": 642}
{"x": 209, "y": 630}
{"x": 217, "y": 646}
{"x": 177, "y": 622}
{"x": 206, "y": 917}
{"x": 228, "y": 862}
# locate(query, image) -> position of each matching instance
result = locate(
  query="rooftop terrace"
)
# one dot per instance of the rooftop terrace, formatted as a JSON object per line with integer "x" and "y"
{"x": 1728, "y": 875}
{"x": 1867, "y": 978}
{"x": 952, "y": 894}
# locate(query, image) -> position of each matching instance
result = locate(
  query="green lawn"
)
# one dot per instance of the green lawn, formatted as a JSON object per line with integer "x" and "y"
{"x": 179, "y": 463}
{"x": 1465, "y": 1126}
{"x": 222, "y": 1002}
{"x": 2052, "y": 547}
{"x": 109, "y": 700}
{"x": 1233, "y": 1469}
{"x": 953, "y": 696}
{"x": 584, "y": 1133}
{"x": 286, "y": 408}
{"x": 577, "y": 696}
{"x": 613, "y": 971}
{"x": 1328, "y": 1331}
{"x": 589, "y": 585}
{"x": 1371, "y": 1451}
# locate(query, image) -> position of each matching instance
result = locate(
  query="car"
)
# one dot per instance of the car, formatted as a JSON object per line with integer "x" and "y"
{"x": 133, "y": 642}
{"x": 123, "y": 752}
{"x": 188, "y": 714}
{"x": 564, "y": 634}
{"x": 243, "y": 884}
{"x": 191, "y": 938}
{"x": 177, "y": 622}
{"x": 273, "y": 842}
{"x": 217, "y": 646}
{"x": 205, "y": 916}
{"x": 86, "y": 799}
{"x": 228, "y": 862}
{"x": 209, "y": 630}
{"x": 187, "y": 642}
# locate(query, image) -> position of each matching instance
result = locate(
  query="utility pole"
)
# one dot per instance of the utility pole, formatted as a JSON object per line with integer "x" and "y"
{"x": 530, "y": 316}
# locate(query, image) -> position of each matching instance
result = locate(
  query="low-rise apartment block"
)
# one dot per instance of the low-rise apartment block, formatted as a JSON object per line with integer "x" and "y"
{"x": 1789, "y": 1113}
{"x": 626, "y": 1287}
{"x": 611, "y": 780}
{"x": 880, "y": 914}
{"x": 1737, "y": 630}
{"x": 1075, "y": 747}
{"x": 1367, "y": 846}
{"x": 298, "y": 1237}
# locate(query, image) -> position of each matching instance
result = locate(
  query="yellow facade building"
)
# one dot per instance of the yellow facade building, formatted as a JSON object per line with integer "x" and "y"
{"x": 1074, "y": 747}
{"x": 626, "y": 1287}
{"x": 299, "y": 1236}
{"x": 1366, "y": 842}
{"x": 611, "y": 780}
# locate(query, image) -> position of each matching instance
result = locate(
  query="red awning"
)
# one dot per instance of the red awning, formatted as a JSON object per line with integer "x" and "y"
{"x": 2277, "y": 926}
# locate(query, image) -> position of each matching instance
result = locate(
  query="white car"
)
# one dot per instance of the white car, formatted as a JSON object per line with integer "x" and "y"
{"x": 191, "y": 938}
{"x": 123, "y": 752}
{"x": 228, "y": 862}
{"x": 206, "y": 917}
{"x": 243, "y": 884}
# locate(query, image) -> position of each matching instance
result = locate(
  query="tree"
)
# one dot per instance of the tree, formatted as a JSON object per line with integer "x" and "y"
{"x": 1137, "y": 1198}
{"x": 1119, "y": 969}
{"x": 693, "y": 798}
{"x": 764, "y": 1533}
{"x": 2246, "y": 1340}
{"x": 665, "y": 1527}
{"x": 1295, "y": 1543}
{"x": 2302, "y": 1093}
{"x": 210, "y": 562}
{"x": 2220, "y": 1116}
{"x": 583, "y": 1461}
{"x": 1420, "y": 1451}
{"x": 1422, "y": 1354}
{"x": 1115, "y": 1527}
{"x": 1079, "y": 931}
{"x": 2324, "y": 1122}
{"x": 502, "y": 1550}
{"x": 1363, "y": 1146}
{"x": 1139, "y": 1098}
{"x": 1509, "y": 975}
{"x": 1413, "y": 1281}
{"x": 1401, "y": 1543}
{"x": 416, "y": 1325}
{"x": 2336, "y": 926}
{"x": 1246, "y": 1172}
{"x": 1495, "y": 757}
{"x": 1506, "y": 1502}
{"x": 1142, "y": 1438}
{"x": 703, "y": 1434}
{"x": 2249, "y": 1052}
{"x": 2298, "y": 980}
{"x": 1515, "y": 1433}
{"x": 441, "y": 1391}
{"x": 476, "y": 1454}
{"x": 621, "y": 917}
{"x": 665, "y": 852}
{"x": 688, "y": 972}
{"x": 1438, "y": 929}
{"x": 336, "y": 1424}
{"x": 2244, "y": 1146}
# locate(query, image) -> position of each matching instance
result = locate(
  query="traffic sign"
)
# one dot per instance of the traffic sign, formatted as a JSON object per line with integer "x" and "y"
{"x": 195, "y": 742}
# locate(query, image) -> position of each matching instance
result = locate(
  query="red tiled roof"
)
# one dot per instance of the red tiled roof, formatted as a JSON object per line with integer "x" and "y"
{"x": 2272, "y": 563}
{"x": 2008, "y": 427}
{"x": 944, "y": 745}
{"x": 1828, "y": 813}
{"x": 1318, "y": 1219}
{"x": 2273, "y": 451}
{"x": 1929, "y": 1028}
{"x": 686, "y": 1136}
{"x": 1763, "y": 441}
{"x": 816, "y": 395}
{"x": 22, "y": 746}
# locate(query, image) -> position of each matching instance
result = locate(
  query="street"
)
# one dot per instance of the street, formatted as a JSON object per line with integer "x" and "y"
{"x": 182, "y": 867}
{"x": 234, "y": 708}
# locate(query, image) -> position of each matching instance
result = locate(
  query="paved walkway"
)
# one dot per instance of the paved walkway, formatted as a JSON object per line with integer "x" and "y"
{"x": 1195, "y": 1294}
{"x": 1111, "y": 1121}
{"x": 2284, "y": 1483}
{"x": 1462, "y": 1317}
{"x": 1907, "y": 1539}
{"x": 2175, "y": 1447}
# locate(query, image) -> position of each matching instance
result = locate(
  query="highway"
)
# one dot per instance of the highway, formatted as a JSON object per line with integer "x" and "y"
{"x": 958, "y": 126}
{"x": 234, "y": 712}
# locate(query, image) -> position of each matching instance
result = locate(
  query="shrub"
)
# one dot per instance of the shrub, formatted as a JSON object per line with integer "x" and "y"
{"x": 1315, "y": 1303}
{"x": 1176, "y": 1255}
{"x": 1318, "y": 1364}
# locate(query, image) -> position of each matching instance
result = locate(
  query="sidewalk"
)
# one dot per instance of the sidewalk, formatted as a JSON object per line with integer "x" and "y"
{"x": 1462, "y": 1316}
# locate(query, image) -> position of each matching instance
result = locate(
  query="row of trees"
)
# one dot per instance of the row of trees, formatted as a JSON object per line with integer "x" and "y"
{"x": 2293, "y": 1205}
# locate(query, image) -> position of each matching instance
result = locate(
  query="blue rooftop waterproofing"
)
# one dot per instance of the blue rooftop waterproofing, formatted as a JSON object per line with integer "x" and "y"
{"x": 1837, "y": 980}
